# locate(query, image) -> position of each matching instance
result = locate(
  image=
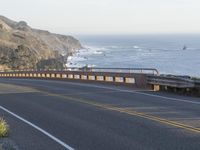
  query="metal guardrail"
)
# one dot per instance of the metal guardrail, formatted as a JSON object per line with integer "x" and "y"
{"x": 171, "y": 81}
{"x": 197, "y": 83}
{"x": 127, "y": 70}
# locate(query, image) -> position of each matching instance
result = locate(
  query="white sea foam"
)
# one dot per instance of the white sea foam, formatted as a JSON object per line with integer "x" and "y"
{"x": 113, "y": 46}
{"x": 69, "y": 58}
{"x": 136, "y": 47}
{"x": 98, "y": 52}
{"x": 77, "y": 60}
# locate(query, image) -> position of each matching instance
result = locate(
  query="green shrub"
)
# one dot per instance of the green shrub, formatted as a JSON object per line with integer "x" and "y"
{"x": 4, "y": 128}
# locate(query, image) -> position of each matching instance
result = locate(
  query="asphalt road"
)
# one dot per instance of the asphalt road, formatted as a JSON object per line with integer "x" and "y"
{"x": 56, "y": 115}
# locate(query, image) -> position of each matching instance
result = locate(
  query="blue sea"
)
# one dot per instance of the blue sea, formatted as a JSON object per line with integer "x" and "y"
{"x": 170, "y": 54}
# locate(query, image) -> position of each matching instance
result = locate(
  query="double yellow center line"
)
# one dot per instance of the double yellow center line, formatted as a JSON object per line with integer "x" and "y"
{"x": 123, "y": 110}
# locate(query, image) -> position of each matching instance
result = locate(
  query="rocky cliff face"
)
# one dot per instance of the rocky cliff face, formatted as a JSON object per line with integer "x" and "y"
{"x": 22, "y": 47}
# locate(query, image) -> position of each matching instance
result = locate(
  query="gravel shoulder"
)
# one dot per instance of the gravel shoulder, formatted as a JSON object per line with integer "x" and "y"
{"x": 8, "y": 144}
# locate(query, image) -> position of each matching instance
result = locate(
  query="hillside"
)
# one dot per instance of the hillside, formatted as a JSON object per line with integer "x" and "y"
{"x": 22, "y": 47}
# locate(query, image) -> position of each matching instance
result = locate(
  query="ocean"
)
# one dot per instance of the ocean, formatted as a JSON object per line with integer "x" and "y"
{"x": 170, "y": 54}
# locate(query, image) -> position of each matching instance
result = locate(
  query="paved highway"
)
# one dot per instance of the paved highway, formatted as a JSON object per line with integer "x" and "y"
{"x": 57, "y": 115}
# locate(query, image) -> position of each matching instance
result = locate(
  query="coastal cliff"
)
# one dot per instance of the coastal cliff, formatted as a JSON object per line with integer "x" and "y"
{"x": 22, "y": 47}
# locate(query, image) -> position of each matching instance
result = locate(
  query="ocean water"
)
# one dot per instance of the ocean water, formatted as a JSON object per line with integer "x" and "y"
{"x": 163, "y": 52}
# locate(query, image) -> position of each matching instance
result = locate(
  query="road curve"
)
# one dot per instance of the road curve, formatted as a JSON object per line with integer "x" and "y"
{"x": 56, "y": 115}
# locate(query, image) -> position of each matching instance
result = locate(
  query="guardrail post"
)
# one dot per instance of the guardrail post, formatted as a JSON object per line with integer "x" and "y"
{"x": 52, "y": 75}
{"x": 39, "y": 75}
{"x": 109, "y": 79}
{"x": 64, "y": 76}
{"x": 100, "y": 78}
{"x": 43, "y": 75}
{"x": 156, "y": 87}
{"x": 84, "y": 77}
{"x": 119, "y": 79}
{"x": 130, "y": 80}
{"x": 91, "y": 77}
{"x": 70, "y": 76}
{"x": 76, "y": 76}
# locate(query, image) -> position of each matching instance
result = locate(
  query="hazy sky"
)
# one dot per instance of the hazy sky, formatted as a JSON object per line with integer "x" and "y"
{"x": 106, "y": 16}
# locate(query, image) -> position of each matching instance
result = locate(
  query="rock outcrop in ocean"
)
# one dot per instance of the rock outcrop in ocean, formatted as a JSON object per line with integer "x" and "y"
{"x": 22, "y": 47}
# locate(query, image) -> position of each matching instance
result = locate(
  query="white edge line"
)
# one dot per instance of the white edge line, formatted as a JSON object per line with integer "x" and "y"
{"x": 38, "y": 128}
{"x": 169, "y": 98}
{"x": 136, "y": 92}
{"x": 158, "y": 96}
